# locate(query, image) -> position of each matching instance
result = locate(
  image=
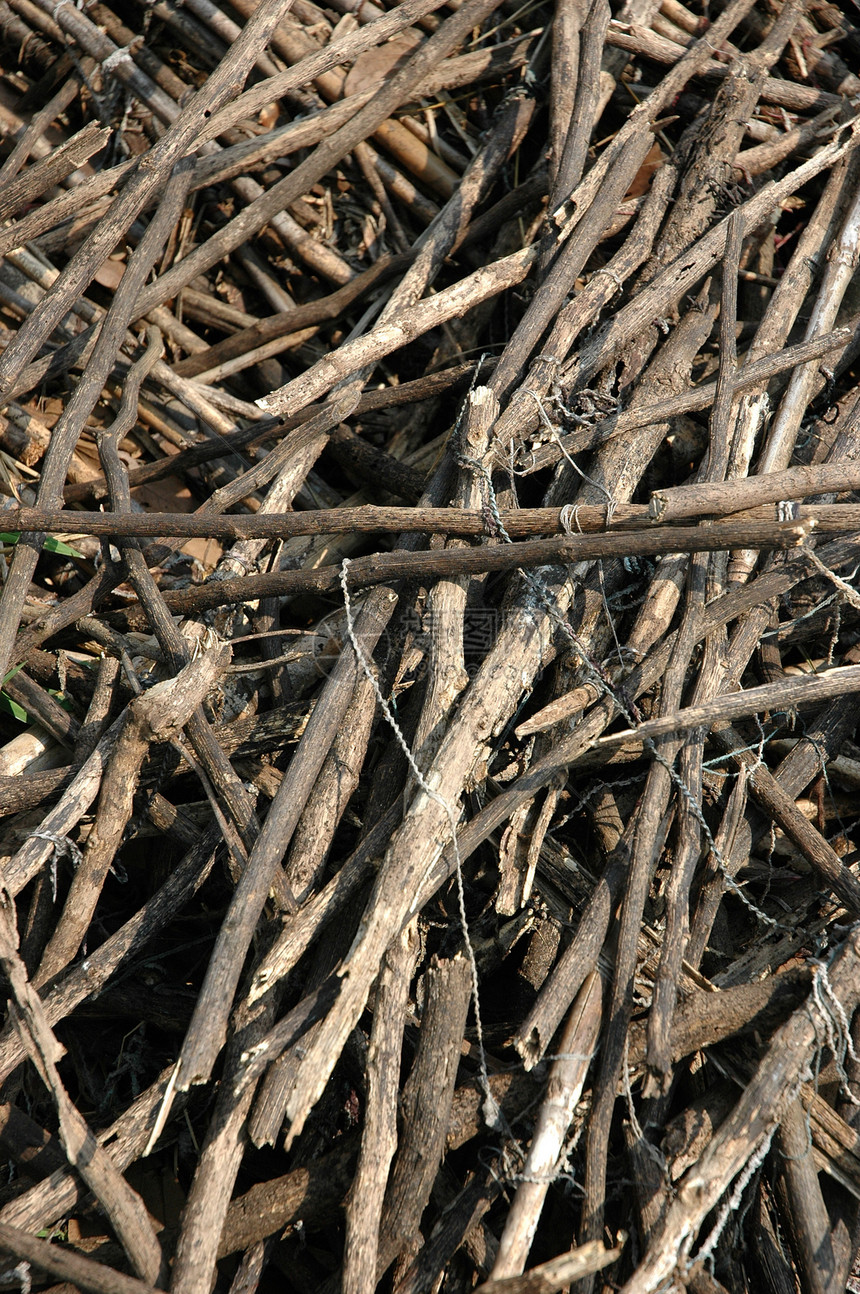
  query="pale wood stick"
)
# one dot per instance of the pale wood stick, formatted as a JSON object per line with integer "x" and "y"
{"x": 746, "y": 1133}
{"x": 410, "y": 323}
{"x": 576, "y": 1045}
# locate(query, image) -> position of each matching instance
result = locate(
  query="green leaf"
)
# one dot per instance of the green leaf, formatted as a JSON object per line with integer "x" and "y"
{"x": 52, "y": 544}
{"x": 57, "y": 546}
{"x": 12, "y": 707}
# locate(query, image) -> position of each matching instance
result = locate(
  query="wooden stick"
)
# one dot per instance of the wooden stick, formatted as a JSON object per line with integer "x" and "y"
{"x": 162, "y": 710}
{"x": 747, "y": 1130}
{"x": 121, "y": 1203}
{"x": 425, "y": 1105}
{"x": 284, "y": 323}
{"x": 60, "y": 162}
{"x": 365, "y": 572}
{"x": 733, "y": 496}
{"x": 809, "y": 1222}
{"x": 379, "y": 1135}
{"x": 94, "y": 972}
{"x": 699, "y": 397}
{"x": 576, "y": 1046}
{"x": 67, "y": 1265}
{"x": 146, "y": 181}
{"x": 556, "y": 1274}
{"x": 207, "y": 1033}
{"x": 330, "y": 151}
{"x": 410, "y": 323}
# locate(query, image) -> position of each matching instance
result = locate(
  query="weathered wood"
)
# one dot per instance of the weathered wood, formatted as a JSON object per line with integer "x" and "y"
{"x": 563, "y": 739}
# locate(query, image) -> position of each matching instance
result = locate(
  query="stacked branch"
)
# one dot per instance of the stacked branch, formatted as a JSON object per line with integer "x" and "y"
{"x": 429, "y": 646}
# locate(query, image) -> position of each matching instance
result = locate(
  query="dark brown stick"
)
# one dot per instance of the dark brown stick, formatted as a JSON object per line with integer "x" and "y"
{"x": 426, "y": 1105}
{"x": 324, "y": 157}
{"x": 207, "y": 1032}
{"x": 37, "y": 179}
{"x": 366, "y": 572}
{"x": 66, "y": 1265}
{"x": 121, "y": 1203}
{"x": 146, "y": 181}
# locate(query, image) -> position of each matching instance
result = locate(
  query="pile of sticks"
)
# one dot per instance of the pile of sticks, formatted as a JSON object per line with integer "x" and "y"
{"x": 429, "y": 643}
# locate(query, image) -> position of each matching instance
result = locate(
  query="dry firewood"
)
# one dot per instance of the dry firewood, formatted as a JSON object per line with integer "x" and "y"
{"x": 86, "y": 978}
{"x": 99, "y": 46}
{"x": 155, "y": 716}
{"x": 37, "y": 179}
{"x": 536, "y": 681}
{"x": 58, "y": 1194}
{"x": 42, "y": 706}
{"x": 566, "y": 26}
{"x": 336, "y": 782}
{"x": 602, "y": 286}
{"x": 585, "y": 108}
{"x": 22, "y": 37}
{"x": 651, "y": 826}
{"x": 702, "y": 579}
{"x": 576, "y": 1046}
{"x": 206, "y": 1034}
{"x": 557, "y": 1273}
{"x": 225, "y": 782}
{"x": 797, "y": 98}
{"x": 220, "y": 1157}
{"x": 702, "y": 1019}
{"x": 499, "y": 809}
{"x": 808, "y": 1221}
{"x": 30, "y": 135}
{"x": 68, "y": 427}
{"x": 410, "y": 323}
{"x": 699, "y": 398}
{"x": 717, "y": 142}
{"x": 835, "y": 1141}
{"x": 34, "y": 1150}
{"x": 670, "y": 285}
{"x": 747, "y": 1131}
{"x": 379, "y": 1135}
{"x": 312, "y": 1195}
{"x": 763, "y": 157}
{"x": 73, "y": 211}
{"x": 280, "y": 325}
{"x": 140, "y": 189}
{"x": 615, "y": 171}
{"x": 732, "y": 839}
{"x": 447, "y": 676}
{"x": 751, "y": 374}
{"x": 575, "y": 964}
{"x": 734, "y": 496}
{"x": 696, "y": 503}
{"x": 326, "y": 155}
{"x": 784, "y": 428}
{"x": 301, "y": 928}
{"x": 416, "y": 847}
{"x": 368, "y": 572}
{"x": 425, "y": 1105}
{"x": 122, "y": 1205}
{"x": 459, "y": 1226}
{"x": 68, "y": 1266}
{"x": 561, "y": 757}
{"x": 309, "y": 1195}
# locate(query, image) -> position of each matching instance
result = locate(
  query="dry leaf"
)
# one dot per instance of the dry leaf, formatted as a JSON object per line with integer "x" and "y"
{"x": 644, "y": 175}
{"x": 369, "y": 68}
